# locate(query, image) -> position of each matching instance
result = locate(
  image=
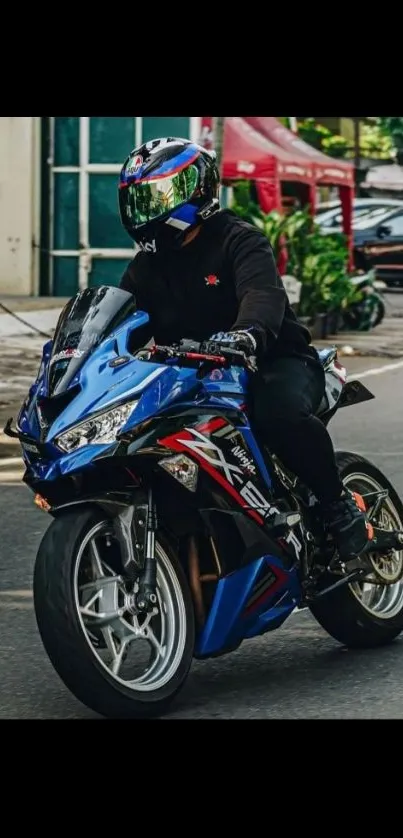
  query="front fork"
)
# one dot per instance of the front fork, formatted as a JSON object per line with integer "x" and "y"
{"x": 135, "y": 529}
{"x": 146, "y": 596}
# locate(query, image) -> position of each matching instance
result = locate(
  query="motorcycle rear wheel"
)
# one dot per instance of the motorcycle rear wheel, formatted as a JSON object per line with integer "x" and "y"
{"x": 366, "y": 315}
{"x": 117, "y": 663}
{"x": 363, "y": 615}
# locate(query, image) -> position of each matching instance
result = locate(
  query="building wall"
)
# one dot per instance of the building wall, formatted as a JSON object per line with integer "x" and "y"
{"x": 87, "y": 244}
{"x": 19, "y": 204}
{"x": 59, "y": 223}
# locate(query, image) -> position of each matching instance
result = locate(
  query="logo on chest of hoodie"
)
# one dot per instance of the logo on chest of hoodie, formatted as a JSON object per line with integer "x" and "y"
{"x": 211, "y": 279}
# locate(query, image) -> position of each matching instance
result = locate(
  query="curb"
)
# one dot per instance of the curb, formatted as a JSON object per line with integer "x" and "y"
{"x": 356, "y": 351}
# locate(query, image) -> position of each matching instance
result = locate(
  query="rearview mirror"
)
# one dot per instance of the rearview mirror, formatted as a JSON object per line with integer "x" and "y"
{"x": 383, "y": 230}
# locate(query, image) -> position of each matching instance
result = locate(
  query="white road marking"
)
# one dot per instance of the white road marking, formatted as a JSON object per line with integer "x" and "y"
{"x": 376, "y": 370}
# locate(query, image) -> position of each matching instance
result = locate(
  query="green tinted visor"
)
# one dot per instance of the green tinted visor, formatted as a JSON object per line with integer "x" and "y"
{"x": 153, "y": 198}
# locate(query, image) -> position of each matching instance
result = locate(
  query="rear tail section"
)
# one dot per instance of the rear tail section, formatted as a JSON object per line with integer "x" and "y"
{"x": 338, "y": 391}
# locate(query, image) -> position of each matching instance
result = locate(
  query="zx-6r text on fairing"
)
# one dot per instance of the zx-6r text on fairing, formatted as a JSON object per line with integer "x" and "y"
{"x": 175, "y": 535}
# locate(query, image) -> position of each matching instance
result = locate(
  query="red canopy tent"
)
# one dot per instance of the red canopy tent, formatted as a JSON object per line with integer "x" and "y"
{"x": 262, "y": 150}
{"x": 248, "y": 155}
{"x": 328, "y": 170}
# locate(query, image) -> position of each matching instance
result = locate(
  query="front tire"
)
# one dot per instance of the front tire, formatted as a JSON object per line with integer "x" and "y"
{"x": 90, "y": 631}
{"x": 362, "y": 615}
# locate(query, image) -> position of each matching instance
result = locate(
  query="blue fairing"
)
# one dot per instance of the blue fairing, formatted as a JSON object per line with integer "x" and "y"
{"x": 230, "y": 621}
{"x": 248, "y": 601}
{"x": 156, "y": 386}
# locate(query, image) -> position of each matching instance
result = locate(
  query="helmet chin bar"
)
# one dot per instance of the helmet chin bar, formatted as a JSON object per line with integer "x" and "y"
{"x": 164, "y": 235}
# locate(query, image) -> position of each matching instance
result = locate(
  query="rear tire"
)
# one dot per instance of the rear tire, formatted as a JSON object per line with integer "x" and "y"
{"x": 379, "y": 313}
{"x": 366, "y": 315}
{"x": 342, "y": 613}
{"x": 79, "y": 646}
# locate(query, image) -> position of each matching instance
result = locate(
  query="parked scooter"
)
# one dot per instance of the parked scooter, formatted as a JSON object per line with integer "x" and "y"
{"x": 363, "y": 315}
{"x": 370, "y": 310}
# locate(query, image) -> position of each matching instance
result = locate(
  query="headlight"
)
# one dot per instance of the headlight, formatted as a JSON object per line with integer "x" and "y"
{"x": 100, "y": 429}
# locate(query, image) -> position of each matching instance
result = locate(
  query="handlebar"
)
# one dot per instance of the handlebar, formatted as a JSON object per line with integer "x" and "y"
{"x": 205, "y": 356}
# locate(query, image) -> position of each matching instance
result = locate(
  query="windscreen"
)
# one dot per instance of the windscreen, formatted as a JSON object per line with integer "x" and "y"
{"x": 84, "y": 323}
{"x": 373, "y": 217}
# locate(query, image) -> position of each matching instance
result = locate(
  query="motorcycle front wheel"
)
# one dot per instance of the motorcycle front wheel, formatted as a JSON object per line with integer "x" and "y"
{"x": 116, "y": 662}
{"x": 367, "y": 614}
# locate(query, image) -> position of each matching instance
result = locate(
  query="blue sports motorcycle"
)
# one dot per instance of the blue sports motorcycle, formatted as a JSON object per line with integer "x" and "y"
{"x": 175, "y": 534}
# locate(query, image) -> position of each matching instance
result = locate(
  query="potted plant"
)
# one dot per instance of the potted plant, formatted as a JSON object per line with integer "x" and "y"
{"x": 318, "y": 262}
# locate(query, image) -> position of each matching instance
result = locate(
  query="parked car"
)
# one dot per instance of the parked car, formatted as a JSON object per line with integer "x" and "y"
{"x": 329, "y": 215}
{"x": 378, "y": 244}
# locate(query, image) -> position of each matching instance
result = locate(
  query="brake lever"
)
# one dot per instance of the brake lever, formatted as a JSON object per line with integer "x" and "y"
{"x": 239, "y": 358}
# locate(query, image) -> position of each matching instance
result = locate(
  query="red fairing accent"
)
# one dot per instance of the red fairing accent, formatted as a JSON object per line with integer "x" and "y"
{"x": 211, "y": 426}
{"x": 196, "y": 356}
{"x": 174, "y": 443}
{"x": 281, "y": 578}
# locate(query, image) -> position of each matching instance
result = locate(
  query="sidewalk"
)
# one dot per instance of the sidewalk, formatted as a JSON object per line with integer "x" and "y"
{"x": 32, "y": 303}
{"x": 43, "y": 312}
{"x": 385, "y": 341}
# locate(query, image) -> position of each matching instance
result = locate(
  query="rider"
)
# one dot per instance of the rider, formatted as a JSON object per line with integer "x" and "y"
{"x": 203, "y": 273}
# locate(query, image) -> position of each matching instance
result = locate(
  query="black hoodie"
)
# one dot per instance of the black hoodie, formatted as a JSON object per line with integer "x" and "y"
{"x": 225, "y": 279}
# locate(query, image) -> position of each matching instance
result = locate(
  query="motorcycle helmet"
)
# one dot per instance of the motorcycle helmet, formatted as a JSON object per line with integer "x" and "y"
{"x": 166, "y": 188}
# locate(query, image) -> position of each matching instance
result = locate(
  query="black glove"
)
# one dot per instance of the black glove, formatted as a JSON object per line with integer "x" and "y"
{"x": 242, "y": 341}
{"x": 239, "y": 341}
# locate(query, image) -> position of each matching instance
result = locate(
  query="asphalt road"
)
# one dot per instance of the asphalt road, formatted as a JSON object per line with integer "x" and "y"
{"x": 296, "y": 672}
{"x": 394, "y": 302}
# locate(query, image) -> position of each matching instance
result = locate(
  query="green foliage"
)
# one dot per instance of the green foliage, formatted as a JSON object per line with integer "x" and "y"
{"x": 317, "y": 261}
{"x": 322, "y": 138}
{"x": 335, "y": 145}
{"x": 375, "y": 142}
{"x": 392, "y": 127}
{"x": 313, "y": 133}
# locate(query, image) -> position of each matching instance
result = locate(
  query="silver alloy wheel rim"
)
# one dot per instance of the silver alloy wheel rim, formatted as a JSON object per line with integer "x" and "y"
{"x": 110, "y": 629}
{"x": 381, "y": 601}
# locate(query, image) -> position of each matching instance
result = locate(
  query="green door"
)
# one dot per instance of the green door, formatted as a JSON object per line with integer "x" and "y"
{"x": 86, "y": 244}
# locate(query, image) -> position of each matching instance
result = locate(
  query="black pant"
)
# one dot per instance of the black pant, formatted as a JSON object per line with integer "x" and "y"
{"x": 286, "y": 392}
